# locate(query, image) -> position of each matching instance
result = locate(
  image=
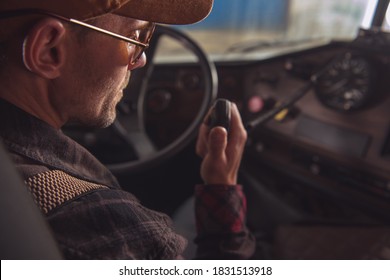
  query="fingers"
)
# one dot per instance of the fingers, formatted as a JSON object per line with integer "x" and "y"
{"x": 237, "y": 135}
{"x": 217, "y": 143}
{"x": 221, "y": 152}
{"x": 201, "y": 143}
{"x": 236, "y": 121}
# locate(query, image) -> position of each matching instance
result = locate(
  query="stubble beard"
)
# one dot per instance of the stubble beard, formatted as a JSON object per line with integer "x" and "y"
{"x": 106, "y": 114}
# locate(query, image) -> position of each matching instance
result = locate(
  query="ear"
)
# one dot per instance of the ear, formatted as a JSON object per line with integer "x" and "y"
{"x": 44, "y": 48}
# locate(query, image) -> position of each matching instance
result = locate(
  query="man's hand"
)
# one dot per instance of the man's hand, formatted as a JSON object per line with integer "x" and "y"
{"x": 221, "y": 153}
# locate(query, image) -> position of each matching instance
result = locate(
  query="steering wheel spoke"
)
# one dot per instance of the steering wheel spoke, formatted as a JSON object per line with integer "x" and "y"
{"x": 138, "y": 140}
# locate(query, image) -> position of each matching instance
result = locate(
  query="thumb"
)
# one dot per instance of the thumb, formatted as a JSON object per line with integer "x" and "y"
{"x": 217, "y": 142}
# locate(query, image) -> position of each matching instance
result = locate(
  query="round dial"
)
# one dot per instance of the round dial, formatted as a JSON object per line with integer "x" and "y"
{"x": 346, "y": 84}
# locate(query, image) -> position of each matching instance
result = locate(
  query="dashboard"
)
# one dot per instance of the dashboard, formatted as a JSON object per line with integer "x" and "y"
{"x": 318, "y": 128}
{"x": 333, "y": 140}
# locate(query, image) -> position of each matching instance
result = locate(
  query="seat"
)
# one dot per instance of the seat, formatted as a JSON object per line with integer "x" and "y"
{"x": 24, "y": 234}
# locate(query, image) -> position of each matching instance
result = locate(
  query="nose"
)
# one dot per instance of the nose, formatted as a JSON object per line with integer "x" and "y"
{"x": 139, "y": 63}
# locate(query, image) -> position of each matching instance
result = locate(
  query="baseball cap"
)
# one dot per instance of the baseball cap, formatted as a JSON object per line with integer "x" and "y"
{"x": 160, "y": 11}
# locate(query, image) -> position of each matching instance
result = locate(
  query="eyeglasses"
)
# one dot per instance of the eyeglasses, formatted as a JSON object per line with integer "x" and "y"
{"x": 141, "y": 41}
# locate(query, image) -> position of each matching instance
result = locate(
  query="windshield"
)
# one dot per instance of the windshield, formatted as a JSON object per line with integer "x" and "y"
{"x": 247, "y": 29}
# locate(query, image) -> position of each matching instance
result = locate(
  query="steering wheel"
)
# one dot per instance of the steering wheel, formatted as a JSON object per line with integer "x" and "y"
{"x": 130, "y": 122}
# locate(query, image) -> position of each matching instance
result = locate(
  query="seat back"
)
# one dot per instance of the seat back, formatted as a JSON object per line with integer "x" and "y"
{"x": 24, "y": 232}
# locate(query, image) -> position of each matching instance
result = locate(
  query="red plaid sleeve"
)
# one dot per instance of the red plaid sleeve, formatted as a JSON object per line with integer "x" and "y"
{"x": 220, "y": 208}
{"x": 220, "y": 219}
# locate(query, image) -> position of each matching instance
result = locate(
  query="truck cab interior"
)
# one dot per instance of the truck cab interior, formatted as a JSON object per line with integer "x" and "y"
{"x": 311, "y": 80}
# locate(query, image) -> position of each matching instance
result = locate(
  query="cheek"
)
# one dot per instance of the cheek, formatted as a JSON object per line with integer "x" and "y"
{"x": 123, "y": 54}
{"x": 111, "y": 54}
{"x": 112, "y": 67}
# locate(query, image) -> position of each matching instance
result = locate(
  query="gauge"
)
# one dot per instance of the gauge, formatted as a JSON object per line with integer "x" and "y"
{"x": 346, "y": 84}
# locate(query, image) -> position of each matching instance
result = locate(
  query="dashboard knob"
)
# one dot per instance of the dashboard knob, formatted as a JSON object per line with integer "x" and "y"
{"x": 158, "y": 101}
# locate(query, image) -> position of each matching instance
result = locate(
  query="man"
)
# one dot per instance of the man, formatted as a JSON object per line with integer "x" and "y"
{"x": 59, "y": 64}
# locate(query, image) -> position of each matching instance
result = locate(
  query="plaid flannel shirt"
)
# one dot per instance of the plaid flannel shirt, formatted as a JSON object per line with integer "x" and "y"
{"x": 93, "y": 218}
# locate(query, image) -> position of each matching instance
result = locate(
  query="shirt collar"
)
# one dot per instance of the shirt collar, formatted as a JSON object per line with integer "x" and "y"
{"x": 30, "y": 137}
